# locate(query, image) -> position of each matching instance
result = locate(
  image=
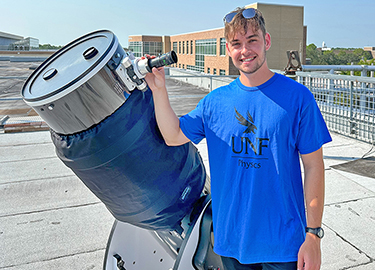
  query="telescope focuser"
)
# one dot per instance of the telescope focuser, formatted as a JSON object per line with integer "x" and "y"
{"x": 132, "y": 70}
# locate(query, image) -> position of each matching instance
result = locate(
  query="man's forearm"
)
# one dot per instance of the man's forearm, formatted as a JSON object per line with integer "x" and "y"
{"x": 309, "y": 255}
{"x": 167, "y": 120}
{"x": 314, "y": 187}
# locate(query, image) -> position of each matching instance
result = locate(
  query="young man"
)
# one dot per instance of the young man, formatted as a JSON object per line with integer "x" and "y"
{"x": 256, "y": 127}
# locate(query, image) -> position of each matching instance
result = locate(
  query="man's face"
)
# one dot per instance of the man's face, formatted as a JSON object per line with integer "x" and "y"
{"x": 248, "y": 51}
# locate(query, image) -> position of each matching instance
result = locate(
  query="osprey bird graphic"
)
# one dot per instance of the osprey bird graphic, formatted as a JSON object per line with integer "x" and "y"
{"x": 249, "y": 122}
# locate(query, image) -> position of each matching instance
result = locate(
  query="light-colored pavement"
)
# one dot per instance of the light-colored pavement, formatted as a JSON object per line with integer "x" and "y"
{"x": 50, "y": 220}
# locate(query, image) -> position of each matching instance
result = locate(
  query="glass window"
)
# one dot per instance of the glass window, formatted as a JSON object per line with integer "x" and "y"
{"x": 222, "y": 72}
{"x": 187, "y": 47}
{"x": 175, "y": 46}
{"x": 140, "y": 48}
{"x": 146, "y": 46}
{"x": 222, "y": 46}
{"x": 183, "y": 47}
{"x": 136, "y": 47}
{"x": 203, "y": 48}
{"x": 191, "y": 47}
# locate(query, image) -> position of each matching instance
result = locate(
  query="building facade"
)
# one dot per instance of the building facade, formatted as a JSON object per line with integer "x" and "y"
{"x": 8, "y": 39}
{"x": 25, "y": 44}
{"x": 13, "y": 42}
{"x": 205, "y": 51}
{"x": 152, "y": 45}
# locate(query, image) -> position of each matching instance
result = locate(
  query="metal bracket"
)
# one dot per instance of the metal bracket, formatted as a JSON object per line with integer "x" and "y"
{"x": 130, "y": 76}
{"x": 120, "y": 262}
{"x": 294, "y": 63}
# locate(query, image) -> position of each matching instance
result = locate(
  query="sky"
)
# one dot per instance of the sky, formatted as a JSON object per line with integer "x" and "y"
{"x": 339, "y": 23}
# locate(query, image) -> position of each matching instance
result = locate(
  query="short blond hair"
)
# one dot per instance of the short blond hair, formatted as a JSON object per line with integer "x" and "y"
{"x": 241, "y": 24}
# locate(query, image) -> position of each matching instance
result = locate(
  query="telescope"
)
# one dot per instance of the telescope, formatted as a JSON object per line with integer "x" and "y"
{"x": 93, "y": 96}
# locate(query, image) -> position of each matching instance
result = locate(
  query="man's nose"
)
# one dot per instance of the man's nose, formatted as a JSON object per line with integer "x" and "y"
{"x": 245, "y": 49}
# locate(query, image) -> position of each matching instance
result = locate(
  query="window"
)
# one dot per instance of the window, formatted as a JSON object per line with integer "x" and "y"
{"x": 136, "y": 47}
{"x": 152, "y": 48}
{"x": 214, "y": 71}
{"x": 175, "y": 46}
{"x": 203, "y": 48}
{"x": 179, "y": 47}
{"x": 187, "y": 47}
{"x": 222, "y": 72}
{"x": 208, "y": 70}
{"x": 222, "y": 46}
{"x": 140, "y": 48}
{"x": 199, "y": 62}
{"x": 183, "y": 47}
{"x": 191, "y": 47}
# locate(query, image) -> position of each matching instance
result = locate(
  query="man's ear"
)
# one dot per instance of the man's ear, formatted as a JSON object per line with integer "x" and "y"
{"x": 267, "y": 39}
{"x": 226, "y": 45}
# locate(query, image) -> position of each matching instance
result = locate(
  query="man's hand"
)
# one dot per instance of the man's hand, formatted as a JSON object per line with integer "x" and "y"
{"x": 156, "y": 79}
{"x": 309, "y": 255}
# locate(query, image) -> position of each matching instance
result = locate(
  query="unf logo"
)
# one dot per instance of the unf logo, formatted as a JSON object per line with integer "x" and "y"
{"x": 249, "y": 122}
{"x": 243, "y": 144}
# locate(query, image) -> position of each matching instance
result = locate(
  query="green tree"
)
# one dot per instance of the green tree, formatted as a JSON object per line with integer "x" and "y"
{"x": 329, "y": 58}
{"x": 336, "y": 56}
{"x": 339, "y": 56}
{"x": 49, "y": 47}
{"x": 314, "y": 54}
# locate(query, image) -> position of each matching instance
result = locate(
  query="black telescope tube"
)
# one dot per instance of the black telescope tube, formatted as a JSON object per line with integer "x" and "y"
{"x": 162, "y": 60}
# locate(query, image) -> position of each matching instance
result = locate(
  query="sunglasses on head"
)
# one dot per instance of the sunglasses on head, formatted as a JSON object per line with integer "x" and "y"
{"x": 247, "y": 14}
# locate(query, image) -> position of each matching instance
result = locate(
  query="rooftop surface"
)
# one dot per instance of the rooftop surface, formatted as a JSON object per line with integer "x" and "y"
{"x": 50, "y": 220}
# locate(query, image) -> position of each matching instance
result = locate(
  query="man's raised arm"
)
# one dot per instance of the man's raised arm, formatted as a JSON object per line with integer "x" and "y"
{"x": 167, "y": 120}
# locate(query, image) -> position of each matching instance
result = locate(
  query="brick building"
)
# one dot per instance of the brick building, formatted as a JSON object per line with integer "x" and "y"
{"x": 205, "y": 51}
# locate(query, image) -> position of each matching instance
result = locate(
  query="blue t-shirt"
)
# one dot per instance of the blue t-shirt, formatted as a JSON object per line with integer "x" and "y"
{"x": 254, "y": 138}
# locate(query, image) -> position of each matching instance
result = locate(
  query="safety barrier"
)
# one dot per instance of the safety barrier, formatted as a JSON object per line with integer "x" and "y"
{"x": 346, "y": 102}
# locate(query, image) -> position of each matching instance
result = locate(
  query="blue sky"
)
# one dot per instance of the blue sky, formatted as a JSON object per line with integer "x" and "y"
{"x": 340, "y": 23}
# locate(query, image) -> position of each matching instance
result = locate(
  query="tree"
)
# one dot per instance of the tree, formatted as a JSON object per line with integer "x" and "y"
{"x": 336, "y": 56}
{"x": 49, "y": 47}
{"x": 339, "y": 56}
{"x": 314, "y": 54}
{"x": 329, "y": 58}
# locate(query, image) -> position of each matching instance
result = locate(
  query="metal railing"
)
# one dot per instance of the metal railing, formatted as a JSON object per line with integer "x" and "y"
{"x": 347, "y": 103}
{"x": 364, "y": 69}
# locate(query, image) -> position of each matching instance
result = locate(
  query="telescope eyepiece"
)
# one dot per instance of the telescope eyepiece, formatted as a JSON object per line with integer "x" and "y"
{"x": 162, "y": 60}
